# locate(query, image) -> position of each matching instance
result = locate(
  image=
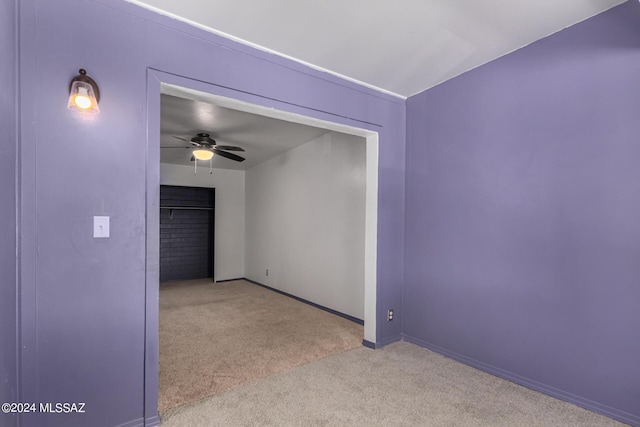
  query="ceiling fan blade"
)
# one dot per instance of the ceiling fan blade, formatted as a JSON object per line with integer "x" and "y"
{"x": 228, "y": 155}
{"x": 176, "y": 147}
{"x": 229, "y": 148}
{"x": 181, "y": 139}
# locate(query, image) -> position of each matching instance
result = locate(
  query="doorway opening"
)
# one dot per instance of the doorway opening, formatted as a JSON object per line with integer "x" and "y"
{"x": 162, "y": 84}
{"x": 187, "y": 224}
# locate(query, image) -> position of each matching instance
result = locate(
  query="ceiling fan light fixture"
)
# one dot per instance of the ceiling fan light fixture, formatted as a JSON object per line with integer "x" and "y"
{"x": 202, "y": 154}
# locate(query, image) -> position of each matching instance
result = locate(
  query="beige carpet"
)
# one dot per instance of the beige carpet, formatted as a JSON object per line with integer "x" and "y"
{"x": 398, "y": 385}
{"x": 217, "y": 336}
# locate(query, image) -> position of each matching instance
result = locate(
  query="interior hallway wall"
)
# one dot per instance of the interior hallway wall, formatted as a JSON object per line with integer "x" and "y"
{"x": 522, "y": 216}
{"x": 230, "y": 212}
{"x": 8, "y": 146}
{"x": 305, "y": 218}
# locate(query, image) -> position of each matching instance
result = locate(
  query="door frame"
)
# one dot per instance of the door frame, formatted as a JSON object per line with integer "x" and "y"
{"x": 159, "y": 82}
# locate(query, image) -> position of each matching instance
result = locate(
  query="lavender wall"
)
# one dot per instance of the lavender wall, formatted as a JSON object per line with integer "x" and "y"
{"x": 8, "y": 137}
{"x": 522, "y": 215}
{"x": 83, "y": 308}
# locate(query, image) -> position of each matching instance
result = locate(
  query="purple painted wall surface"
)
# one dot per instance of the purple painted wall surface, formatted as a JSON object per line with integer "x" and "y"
{"x": 83, "y": 307}
{"x": 523, "y": 215}
{"x": 8, "y": 138}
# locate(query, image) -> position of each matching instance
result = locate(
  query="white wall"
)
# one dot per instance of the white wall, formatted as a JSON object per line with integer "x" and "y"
{"x": 230, "y": 212}
{"x": 305, "y": 222}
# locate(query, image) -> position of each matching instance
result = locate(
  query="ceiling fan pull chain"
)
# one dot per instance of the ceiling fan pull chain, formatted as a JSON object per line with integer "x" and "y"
{"x": 195, "y": 167}
{"x": 210, "y": 166}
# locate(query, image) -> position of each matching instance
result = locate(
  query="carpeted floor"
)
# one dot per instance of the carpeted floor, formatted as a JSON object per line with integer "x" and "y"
{"x": 215, "y": 336}
{"x": 398, "y": 385}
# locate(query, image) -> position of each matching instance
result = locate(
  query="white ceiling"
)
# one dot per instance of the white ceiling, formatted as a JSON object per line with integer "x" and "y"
{"x": 262, "y": 137}
{"x": 401, "y": 47}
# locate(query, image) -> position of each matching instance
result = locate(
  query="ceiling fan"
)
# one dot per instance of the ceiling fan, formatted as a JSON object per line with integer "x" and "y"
{"x": 205, "y": 147}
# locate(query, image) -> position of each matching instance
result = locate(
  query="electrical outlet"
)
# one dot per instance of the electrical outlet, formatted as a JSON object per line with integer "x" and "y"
{"x": 389, "y": 315}
{"x": 266, "y": 272}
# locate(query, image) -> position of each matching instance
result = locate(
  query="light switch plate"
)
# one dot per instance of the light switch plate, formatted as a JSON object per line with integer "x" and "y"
{"x": 100, "y": 226}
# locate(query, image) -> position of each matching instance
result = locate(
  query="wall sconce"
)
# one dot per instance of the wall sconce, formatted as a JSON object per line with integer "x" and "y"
{"x": 84, "y": 94}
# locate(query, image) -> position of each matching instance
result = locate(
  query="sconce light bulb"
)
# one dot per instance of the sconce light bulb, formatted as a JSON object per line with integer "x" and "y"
{"x": 82, "y": 101}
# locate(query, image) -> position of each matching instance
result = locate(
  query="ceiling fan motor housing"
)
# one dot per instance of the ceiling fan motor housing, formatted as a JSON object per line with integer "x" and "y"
{"x": 203, "y": 138}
